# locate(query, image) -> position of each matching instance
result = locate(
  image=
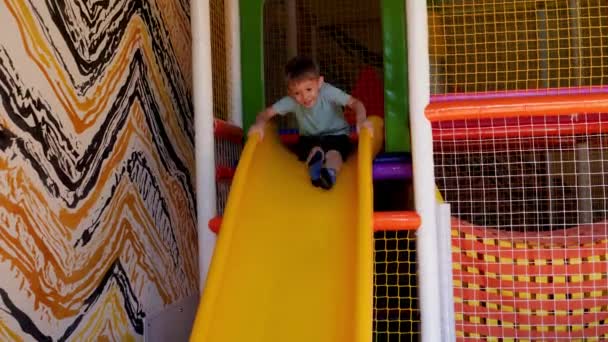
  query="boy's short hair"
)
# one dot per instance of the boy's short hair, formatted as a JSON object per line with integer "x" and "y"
{"x": 301, "y": 68}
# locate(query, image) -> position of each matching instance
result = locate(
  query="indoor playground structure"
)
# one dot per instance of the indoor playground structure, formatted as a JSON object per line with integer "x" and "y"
{"x": 476, "y": 209}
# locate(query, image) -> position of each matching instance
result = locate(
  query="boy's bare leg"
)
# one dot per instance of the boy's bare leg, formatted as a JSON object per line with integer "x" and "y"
{"x": 333, "y": 160}
{"x": 333, "y": 164}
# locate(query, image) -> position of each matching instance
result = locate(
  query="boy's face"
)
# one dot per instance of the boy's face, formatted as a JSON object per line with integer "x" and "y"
{"x": 305, "y": 92}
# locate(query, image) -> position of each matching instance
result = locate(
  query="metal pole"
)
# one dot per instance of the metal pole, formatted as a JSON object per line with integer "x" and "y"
{"x": 444, "y": 224}
{"x": 424, "y": 175}
{"x": 202, "y": 89}
{"x": 233, "y": 36}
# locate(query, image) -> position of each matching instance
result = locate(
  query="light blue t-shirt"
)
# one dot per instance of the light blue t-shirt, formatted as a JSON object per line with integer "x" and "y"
{"x": 324, "y": 118}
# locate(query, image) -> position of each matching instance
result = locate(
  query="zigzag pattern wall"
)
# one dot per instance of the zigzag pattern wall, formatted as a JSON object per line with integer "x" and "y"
{"x": 97, "y": 200}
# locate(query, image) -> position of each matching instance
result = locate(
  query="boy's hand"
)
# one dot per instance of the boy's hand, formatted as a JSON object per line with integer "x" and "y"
{"x": 367, "y": 125}
{"x": 256, "y": 128}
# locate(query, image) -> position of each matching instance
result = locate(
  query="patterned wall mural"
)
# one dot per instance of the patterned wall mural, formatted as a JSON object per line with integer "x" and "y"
{"x": 97, "y": 201}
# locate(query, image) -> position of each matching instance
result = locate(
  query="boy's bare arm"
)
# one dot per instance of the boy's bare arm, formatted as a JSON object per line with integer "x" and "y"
{"x": 260, "y": 121}
{"x": 359, "y": 108}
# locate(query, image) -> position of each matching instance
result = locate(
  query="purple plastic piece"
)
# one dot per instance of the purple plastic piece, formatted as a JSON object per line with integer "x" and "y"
{"x": 394, "y": 157}
{"x": 386, "y": 171}
{"x": 518, "y": 93}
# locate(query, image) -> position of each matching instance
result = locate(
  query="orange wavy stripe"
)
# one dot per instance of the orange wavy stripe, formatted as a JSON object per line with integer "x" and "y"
{"x": 108, "y": 321}
{"x": 82, "y": 279}
{"x": 69, "y": 220}
{"x": 91, "y": 107}
{"x": 6, "y": 334}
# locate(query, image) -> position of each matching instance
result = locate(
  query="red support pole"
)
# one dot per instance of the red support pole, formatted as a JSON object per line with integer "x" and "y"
{"x": 225, "y": 130}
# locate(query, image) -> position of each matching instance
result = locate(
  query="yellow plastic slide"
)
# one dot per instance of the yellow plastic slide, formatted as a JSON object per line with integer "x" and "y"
{"x": 292, "y": 262}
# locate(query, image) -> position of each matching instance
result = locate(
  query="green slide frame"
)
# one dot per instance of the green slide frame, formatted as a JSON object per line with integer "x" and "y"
{"x": 252, "y": 59}
{"x": 396, "y": 105}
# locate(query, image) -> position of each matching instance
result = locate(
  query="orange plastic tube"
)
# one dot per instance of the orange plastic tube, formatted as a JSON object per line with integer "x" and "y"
{"x": 385, "y": 220}
{"x": 396, "y": 220}
{"x": 517, "y": 107}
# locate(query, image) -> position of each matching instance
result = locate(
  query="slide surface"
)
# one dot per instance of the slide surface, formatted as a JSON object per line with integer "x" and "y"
{"x": 292, "y": 262}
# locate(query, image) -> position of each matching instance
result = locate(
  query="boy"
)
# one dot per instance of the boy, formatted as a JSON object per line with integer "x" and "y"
{"x": 324, "y": 134}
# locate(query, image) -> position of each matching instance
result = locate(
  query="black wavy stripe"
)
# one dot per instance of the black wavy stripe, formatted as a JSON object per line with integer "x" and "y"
{"x": 79, "y": 175}
{"x": 139, "y": 173}
{"x": 150, "y": 192}
{"x": 92, "y": 37}
{"x": 185, "y": 6}
{"x": 32, "y": 114}
{"x": 116, "y": 275}
{"x": 89, "y": 36}
{"x": 25, "y": 322}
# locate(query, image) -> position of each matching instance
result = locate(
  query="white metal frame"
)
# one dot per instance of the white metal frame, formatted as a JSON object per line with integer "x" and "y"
{"x": 233, "y": 33}
{"x": 427, "y": 242}
{"x": 202, "y": 90}
{"x": 444, "y": 224}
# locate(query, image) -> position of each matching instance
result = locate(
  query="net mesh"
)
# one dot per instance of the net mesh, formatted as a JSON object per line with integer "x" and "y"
{"x": 523, "y": 44}
{"x": 227, "y": 152}
{"x": 396, "y": 314}
{"x": 528, "y": 194}
{"x": 220, "y": 50}
{"x": 529, "y": 229}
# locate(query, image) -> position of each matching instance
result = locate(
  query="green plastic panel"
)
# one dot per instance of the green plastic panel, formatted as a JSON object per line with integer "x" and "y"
{"x": 252, "y": 59}
{"x": 396, "y": 104}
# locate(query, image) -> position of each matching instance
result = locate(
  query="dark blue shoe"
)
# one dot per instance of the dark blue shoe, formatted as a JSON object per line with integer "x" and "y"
{"x": 314, "y": 168}
{"x": 327, "y": 178}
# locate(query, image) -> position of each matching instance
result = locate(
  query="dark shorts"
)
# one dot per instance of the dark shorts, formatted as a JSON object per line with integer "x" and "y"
{"x": 340, "y": 143}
